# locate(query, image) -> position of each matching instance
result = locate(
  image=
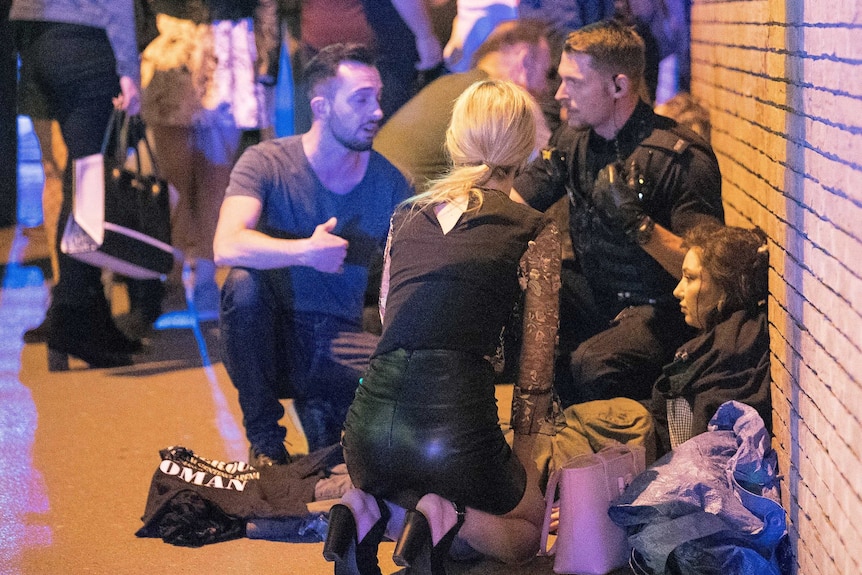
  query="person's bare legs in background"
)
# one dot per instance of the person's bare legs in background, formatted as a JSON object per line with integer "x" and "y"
{"x": 54, "y": 155}
{"x": 197, "y": 161}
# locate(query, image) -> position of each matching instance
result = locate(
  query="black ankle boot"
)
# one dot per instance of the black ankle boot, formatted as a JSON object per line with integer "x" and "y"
{"x": 79, "y": 332}
{"x": 353, "y": 557}
{"x": 116, "y": 340}
{"x": 415, "y": 549}
{"x": 94, "y": 323}
{"x": 119, "y": 341}
{"x": 58, "y": 358}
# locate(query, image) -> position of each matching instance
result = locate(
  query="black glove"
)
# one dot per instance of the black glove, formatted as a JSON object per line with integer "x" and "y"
{"x": 554, "y": 163}
{"x": 618, "y": 199}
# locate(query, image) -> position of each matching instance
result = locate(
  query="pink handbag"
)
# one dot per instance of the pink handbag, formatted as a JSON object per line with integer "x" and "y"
{"x": 588, "y": 542}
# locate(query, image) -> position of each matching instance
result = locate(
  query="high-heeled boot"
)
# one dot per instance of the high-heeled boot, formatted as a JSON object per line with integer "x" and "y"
{"x": 116, "y": 340}
{"x": 416, "y": 548}
{"x": 80, "y": 333}
{"x": 352, "y": 555}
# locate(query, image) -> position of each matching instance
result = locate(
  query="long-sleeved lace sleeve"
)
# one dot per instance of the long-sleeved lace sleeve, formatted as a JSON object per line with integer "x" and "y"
{"x": 532, "y": 402}
{"x": 384, "y": 280}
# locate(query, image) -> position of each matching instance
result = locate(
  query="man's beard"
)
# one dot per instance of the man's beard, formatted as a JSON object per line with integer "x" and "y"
{"x": 573, "y": 120}
{"x": 351, "y": 143}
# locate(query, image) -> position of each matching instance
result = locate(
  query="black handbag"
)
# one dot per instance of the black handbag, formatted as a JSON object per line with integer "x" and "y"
{"x": 121, "y": 216}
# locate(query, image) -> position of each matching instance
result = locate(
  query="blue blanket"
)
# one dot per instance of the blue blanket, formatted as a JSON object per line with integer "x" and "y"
{"x": 709, "y": 506}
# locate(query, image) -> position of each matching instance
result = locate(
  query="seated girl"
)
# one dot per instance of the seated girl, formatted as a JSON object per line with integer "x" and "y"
{"x": 723, "y": 293}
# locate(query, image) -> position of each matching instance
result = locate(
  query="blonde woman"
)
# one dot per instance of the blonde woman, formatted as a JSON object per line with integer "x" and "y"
{"x": 421, "y": 440}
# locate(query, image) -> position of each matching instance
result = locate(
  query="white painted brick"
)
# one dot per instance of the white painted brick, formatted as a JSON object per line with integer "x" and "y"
{"x": 834, "y": 141}
{"x": 847, "y": 487}
{"x": 840, "y": 12}
{"x": 828, "y": 332}
{"x": 835, "y": 108}
{"x": 843, "y": 527}
{"x": 838, "y": 77}
{"x": 838, "y": 232}
{"x": 797, "y": 175}
{"x": 851, "y": 562}
{"x": 836, "y": 42}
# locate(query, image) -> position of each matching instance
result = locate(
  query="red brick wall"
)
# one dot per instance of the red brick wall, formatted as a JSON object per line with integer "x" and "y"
{"x": 784, "y": 88}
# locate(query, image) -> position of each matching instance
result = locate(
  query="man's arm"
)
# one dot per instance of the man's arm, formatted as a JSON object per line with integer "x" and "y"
{"x": 415, "y": 15}
{"x": 237, "y": 243}
{"x": 543, "y": 181}
{"x": 698, "y": 200}
{"x": 666, "y": 248}
{"x": 620, "y": 201}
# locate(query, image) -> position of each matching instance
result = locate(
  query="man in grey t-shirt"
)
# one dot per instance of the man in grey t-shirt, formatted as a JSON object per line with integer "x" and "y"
{"x": 302, "y": 220}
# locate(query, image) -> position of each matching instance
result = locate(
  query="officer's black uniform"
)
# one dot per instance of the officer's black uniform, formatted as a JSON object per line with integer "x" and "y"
{"x": 619, "y": 318}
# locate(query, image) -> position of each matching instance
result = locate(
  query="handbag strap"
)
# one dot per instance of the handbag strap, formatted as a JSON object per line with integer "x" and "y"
{"x": 634, "y": 453}
{"x": 550, "y": 500}
{"x": 635, "y": 563}
{"x": 138, "y": 131}
{"x": 111, "y": 147}
{"x": 117, "y": 140}
{"x": 126, "y": 131}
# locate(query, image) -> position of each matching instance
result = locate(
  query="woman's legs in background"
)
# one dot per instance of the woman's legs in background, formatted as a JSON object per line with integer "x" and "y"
{"x": 197, "y": 161}
{"x": 54, "y": 156}
{"x": 75, "y": 67}
{"x": 76, "y": 70}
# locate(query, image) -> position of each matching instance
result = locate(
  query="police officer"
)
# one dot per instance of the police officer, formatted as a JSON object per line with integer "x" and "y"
{"x": 635, "y": 181}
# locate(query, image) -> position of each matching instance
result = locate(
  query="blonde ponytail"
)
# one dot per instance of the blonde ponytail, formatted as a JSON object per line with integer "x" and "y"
{"x": 492, "y": 132}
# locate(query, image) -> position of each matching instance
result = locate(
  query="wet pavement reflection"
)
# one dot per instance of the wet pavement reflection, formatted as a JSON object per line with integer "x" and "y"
{"x": 22, "y": 304}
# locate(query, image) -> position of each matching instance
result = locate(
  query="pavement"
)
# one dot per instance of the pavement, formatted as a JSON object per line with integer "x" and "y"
{"x": 79, "y": 448}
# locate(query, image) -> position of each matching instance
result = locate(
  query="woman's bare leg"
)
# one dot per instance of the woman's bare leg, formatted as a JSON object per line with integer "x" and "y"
{"x": 514, "y": 537}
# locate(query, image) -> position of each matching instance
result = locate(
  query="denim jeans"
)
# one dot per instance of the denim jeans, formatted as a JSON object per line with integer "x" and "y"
{"x": 271, "y": 352}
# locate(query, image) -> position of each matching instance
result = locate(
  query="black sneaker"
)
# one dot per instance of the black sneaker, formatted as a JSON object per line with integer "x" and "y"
{"x": 258, "y": 459}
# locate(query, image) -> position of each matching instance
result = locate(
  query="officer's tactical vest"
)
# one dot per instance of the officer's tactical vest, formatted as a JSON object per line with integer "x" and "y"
{"x": 617, "y": 269}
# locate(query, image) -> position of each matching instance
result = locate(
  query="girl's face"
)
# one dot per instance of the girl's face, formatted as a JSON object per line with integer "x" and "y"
{"x": 698, "y": 295}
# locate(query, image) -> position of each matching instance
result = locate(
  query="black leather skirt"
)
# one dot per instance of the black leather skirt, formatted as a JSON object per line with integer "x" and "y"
{"x": 426, "y": 422}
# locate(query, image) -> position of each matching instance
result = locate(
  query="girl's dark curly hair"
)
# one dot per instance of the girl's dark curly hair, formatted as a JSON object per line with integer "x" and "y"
{"x": 737, "y": 260}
